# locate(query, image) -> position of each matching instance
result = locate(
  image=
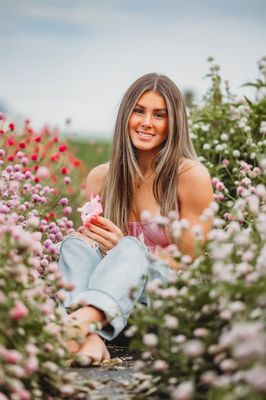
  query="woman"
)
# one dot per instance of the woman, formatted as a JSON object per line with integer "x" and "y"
{"x": 153, "y": 167}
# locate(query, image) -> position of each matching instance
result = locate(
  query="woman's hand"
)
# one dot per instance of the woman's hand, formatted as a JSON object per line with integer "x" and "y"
{"x": 104, "y": 232}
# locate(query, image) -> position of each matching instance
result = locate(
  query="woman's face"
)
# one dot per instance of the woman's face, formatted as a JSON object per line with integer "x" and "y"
{"x": 148, "y": 123}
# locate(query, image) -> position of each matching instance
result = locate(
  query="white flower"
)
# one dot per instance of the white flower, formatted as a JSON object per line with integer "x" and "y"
{"x": 150, "y": 340}
{"x": 197, "y": 231}
{"x": 33, "y": 221}
{"x": 236, "y": 153}
{"x": 206, "y": 146}
{"x": 254, "y": 203}
{"x": 263, "y": 163}
{"x": 239, "y": 332}
{"x": 256, "y": 377}
{"x": 145, "y": 215}
{"x": 184, "y": 223}
{"x": 228, "y": 364}
{"x": 159, "y": 365}
{"x": 184, "y": 391}
{"x": 170, "y": 322}
{"x": 219, "y": 147}
{"x": 201, "y": 332}
{"x": 205, "y": 127}
{"x": 160, "y": 220}
{"x": 194, "y": 348}
{"x": 224, "y": 137}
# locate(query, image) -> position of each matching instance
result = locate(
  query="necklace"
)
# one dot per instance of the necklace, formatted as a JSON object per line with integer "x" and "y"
{"x": 145, "y": 180}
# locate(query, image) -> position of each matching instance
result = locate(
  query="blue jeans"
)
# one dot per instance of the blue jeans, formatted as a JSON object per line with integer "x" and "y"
{"x": 113, "y": 283}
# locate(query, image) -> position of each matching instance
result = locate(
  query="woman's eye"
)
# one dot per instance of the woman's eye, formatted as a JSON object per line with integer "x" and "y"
{"x": 138, "y": 110}
{"x": 159, "y": 115}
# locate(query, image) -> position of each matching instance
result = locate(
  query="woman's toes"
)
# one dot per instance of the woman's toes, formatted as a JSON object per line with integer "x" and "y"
{"x": 95, "y": 348}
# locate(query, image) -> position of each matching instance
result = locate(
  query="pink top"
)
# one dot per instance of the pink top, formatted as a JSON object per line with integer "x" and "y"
{"x": 149, "y": 231}
{"x": 152, "y": 234}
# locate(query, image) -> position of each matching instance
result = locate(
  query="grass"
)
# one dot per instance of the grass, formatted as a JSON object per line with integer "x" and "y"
{"x": 90, "y": 151}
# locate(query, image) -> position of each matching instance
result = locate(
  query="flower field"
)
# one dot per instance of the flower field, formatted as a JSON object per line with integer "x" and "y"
{"x": 40, "y": 187}
{"x": 204, "y": 335}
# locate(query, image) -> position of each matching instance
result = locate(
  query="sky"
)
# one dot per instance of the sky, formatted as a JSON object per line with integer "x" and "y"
{"x": 75, "y": 59}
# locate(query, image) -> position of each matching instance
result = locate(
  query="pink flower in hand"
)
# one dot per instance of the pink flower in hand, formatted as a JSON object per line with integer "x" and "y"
{"x": 91, "y": 209}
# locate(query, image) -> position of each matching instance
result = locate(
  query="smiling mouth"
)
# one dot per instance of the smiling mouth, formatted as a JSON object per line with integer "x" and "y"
{"x": 144, "y": 134}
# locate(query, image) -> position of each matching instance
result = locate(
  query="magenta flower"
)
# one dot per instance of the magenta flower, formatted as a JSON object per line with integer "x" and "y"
{"x": 91, "y": 209}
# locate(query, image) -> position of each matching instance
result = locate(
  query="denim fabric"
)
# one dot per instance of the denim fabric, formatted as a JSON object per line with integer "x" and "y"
{"x": 114, "y": 283}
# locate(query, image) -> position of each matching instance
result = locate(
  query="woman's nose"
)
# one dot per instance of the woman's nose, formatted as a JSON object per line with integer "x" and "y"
{"x": 146, "y": 120}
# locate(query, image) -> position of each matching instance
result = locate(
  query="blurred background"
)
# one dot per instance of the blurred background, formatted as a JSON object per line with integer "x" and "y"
{"x": 72, "y": 60}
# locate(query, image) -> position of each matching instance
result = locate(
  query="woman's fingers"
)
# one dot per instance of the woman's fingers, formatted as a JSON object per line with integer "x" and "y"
{"x": 106, "y": 224}
{"x": 107, "y": 244}
{"x": 107, "y": 235}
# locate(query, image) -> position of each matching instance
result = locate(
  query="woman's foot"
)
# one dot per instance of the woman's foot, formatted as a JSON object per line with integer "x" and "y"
{"x": 79, "y": 322}
{"x": 94, "y": 349}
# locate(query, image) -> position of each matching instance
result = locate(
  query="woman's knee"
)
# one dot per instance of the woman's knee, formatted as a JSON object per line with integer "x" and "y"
{"x": 76, "y": 235}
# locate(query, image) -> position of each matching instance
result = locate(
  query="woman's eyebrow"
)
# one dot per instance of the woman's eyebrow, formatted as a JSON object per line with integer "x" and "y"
{"x": 156, "y": 109}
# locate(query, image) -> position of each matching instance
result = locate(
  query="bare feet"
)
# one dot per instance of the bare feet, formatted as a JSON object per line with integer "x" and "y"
{"x": 94, "y": 348}
{"x": 79, "y": 321}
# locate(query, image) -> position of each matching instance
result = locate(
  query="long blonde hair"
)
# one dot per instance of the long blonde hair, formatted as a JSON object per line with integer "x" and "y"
{"x": 119, "y": 191}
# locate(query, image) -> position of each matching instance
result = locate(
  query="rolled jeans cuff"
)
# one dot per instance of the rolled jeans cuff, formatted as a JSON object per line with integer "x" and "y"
{"x": 103, "y": 301}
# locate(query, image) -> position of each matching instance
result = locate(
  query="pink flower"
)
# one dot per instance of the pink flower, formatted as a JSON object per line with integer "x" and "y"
{"x": 91, "y": 209}
{"x": 23, "y": 394}
{"x": 219, "y": 186}
{"x": 3, "y": 396}
{"x": 31, "y": 365}
{"x": 12, "y": 356}
{"x": 43, "y": 173}
{"x": 19, "y": 311}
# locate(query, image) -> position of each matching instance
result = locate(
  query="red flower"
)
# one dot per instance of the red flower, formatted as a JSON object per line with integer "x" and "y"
{"x": 62, "y": 148}
{"x": 36, "y": 179}
{"x": 11, "y": 158}
{"x": 37, "y": 139}
{"x": 36, "y": 167}
{"x": 55, "y": 157}
{"x": 64, "y": 170}
{"x": 52, "y": 215}
{"x": 11, "y": 126}
{"x": 55, "y": 139}
{"x": 22, "y": 145}
{"x": 11, "y": 142}
{"x": 34, "y": 157}
{"x": 2, "y": 131}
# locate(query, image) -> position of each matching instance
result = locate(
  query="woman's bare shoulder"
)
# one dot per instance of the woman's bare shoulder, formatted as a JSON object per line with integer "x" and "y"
{"x": 95, "y": 178}
{"x": 194, "y": 181}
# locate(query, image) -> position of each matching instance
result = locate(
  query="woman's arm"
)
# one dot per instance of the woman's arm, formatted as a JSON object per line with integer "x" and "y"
{"x": 95, "y": 179}
{"x": 100, "y": 229}
{"x": 195, "y": 194}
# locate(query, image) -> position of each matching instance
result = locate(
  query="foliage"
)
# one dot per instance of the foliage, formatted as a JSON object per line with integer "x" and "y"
{"x": 91, "y": 152}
